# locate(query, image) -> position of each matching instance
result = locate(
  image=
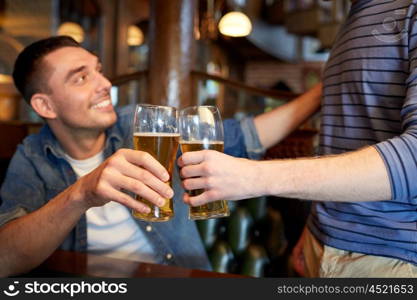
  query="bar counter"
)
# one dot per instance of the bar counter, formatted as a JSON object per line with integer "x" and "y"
{"x": 75, "y": 264}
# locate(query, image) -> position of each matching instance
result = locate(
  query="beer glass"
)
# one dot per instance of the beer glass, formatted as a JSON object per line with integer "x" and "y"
{"x": 201, "y": 128}
{"x": 155, "y": 131}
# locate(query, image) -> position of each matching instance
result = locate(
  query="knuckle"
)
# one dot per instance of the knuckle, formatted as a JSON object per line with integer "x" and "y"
{"x": 147, "y": 177}
{"x": 208, "y": 169}
{"x": 100, "y": 186}
{"x": 144, "y": 176}
{"x": 205, "y": 168}
{"x": 112, "y": 161}
{"x": 139, "y": 206}
{"x": 137, "y": 187}
{"x": 154, "y": 198}
{"x": 208, "y": 182}
{"x": 122, "y": 200}
{"x": 183, "y": 158}
{"x": 183, "y": 172}
{"x": 125, "y": 200}
{"x": 110, "y": 164}
{"x": 118, "y": 153}
{"x": 122, "y": 151}
{"x": 101, "y": 190}
{"x": 145, "y": 156}
{"x": 213, "y": 194}
{"x": 187, "y": 184}
{"x": 201, "y": 199}
{"x": 105, "y": 174}
{"x": 193, "y": 202}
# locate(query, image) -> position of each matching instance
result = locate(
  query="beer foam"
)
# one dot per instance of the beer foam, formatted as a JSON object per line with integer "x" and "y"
{"x": 205, "y": 142}
{"x": 149, "y": 134}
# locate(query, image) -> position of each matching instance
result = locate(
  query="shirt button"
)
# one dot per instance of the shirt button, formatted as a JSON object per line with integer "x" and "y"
{"x": 169, "y": 256}
{"x": 149, "y": 228}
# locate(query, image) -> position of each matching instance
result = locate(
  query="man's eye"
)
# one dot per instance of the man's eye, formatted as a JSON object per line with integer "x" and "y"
{"x": 80, "y": 79}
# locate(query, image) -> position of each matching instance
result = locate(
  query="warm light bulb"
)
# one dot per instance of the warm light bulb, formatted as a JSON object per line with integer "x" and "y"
{"x": 73, "y": 30}
{"x": 235, "y": 24}
{"x": 134, "y": 36}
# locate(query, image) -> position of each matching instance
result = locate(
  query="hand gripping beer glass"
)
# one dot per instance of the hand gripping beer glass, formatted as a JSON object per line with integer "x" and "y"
{"x": 155, "y": 131}
{"x": 201, "y": 128}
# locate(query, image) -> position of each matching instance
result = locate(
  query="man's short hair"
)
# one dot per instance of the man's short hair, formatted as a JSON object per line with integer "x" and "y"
{"x": 29, "y": 75}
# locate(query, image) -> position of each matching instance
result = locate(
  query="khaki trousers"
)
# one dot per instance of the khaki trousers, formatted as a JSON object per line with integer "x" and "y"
{"x": 325, "y": 261}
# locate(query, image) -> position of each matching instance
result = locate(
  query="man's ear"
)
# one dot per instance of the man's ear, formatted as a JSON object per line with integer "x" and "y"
{"x": 43, "y": 106}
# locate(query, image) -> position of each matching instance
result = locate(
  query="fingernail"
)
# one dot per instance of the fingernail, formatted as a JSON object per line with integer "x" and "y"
{"x": 165, "y": 176}
{"x": 146, "y": 210}
{"x": 169, "y": 193}
{"x": 161, "y": 202}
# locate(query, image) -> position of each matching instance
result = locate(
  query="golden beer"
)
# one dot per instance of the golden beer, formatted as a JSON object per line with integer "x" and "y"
{"x": 163, "y": 147}
{"x": 214, "y": 209}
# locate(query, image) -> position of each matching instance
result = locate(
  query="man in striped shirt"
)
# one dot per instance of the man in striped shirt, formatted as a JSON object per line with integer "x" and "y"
{"x": 364, "y": 220}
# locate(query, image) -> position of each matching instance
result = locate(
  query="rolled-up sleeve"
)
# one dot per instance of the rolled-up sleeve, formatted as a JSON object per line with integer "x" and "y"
{"x": 241, "y": 139}
{"x": 400, "y": 153}
{"x": 254, "y": 147}
{"x": 22, "y": 191}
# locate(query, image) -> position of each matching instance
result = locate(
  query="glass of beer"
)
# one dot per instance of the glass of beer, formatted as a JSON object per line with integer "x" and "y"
{"x": 201, "y": 128}
{"x": 155, "y": 131}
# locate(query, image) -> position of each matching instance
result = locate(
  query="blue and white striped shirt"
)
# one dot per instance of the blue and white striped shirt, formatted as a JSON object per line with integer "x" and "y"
{"x": 370, "y": 98}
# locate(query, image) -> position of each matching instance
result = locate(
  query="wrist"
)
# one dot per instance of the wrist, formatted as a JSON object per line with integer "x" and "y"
{"x": 260, "y": 179}
{"x": 76, "y": 198}
{"x": 67, "y": 206}
{"x": 268, "y": 178}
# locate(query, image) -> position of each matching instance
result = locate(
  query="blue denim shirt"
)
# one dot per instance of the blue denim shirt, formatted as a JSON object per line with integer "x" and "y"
{"x": 38, "y": 172}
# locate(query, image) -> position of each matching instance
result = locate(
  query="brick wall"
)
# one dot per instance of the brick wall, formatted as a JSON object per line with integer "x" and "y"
{"x": 265, "y": 73}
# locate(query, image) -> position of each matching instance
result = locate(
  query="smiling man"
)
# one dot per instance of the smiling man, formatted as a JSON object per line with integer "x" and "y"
{"x": 63, "y": 186}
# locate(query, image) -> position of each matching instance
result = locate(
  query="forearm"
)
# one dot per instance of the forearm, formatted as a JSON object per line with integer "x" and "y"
{"x": 275, "y": 125}
{"x": 29, "y": 240}
{"x": 355, "y": 176}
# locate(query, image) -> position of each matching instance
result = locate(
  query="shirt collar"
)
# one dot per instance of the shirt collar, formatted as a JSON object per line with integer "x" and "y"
{"x": 50, "y": 143}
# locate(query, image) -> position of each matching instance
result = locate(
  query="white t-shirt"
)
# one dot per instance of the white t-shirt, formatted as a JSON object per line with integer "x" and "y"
{"x": 111, "y": 229}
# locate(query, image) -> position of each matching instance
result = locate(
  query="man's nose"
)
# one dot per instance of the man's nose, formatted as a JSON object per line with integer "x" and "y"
{"x": 103, "y": 82}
